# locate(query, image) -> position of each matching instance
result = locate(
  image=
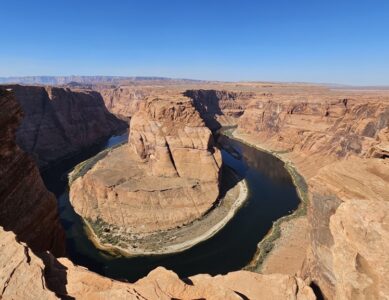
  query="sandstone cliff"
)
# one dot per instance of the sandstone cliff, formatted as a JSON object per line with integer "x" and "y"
{"x": 124, "y": 101}
{"x": 337, "y": 128}
{"x": 167, "y": 176}
{"x": 337, "y": 141}
{"x": 26, "y": 207}
{"x": 60, "y": 122}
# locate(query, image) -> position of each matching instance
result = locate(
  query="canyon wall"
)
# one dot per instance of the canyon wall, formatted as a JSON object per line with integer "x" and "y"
{"x": 219, "y": 107}
{"x": 216, "y": 107}
{"x": 26, "y": 207}
{"x": 60, "y": 122}
{"x": 337, "y": 128}
{"x": 338, "y": 145}
{"x": 124, "y": 101}
{"x": 26, "y": 275}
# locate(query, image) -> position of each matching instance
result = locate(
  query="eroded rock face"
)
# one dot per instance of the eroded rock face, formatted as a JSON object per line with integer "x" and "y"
{"x": 339, "y": 127}
{"x": 124, "y": 101}
{"x": 167, "y": 176}
{"x": 219, "y": 107}
{"x": 60, "y": 122}
{"x": 360, "y": 259}
{"x": 21, "y": 272}
{"x": 348, "y": 228}
{"x": 172, "y": 137}
{"x": 339, "y": 144}
{"x": 26, "y": 207}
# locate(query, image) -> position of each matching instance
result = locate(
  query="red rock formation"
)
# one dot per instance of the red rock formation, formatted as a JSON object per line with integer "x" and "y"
{"x": 26, "y": 207}
{"x": 60, "y": 122}
{"x": 338, "y": 146}
{"x": 167, "y": 176}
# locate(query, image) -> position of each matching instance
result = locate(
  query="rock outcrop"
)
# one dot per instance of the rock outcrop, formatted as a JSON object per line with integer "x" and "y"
{"x": 26, "y": 275}
{"x": 21, "y": 272}
{"x": 26, "y": 207}
{"x": 167, "y": 176}
{"x": 60, "y": 122}
{"x": 349, "y": 228}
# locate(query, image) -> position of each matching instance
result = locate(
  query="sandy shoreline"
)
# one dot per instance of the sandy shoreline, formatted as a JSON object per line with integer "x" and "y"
{"x": 179, "y": 247}
{"x": 279, "y": 242}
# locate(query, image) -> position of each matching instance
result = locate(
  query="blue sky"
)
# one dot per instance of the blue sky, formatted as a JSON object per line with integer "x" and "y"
{"x": 289, "y": 40}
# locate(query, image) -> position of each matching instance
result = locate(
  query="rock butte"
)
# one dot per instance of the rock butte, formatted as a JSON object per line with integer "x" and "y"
{"x": 166, "y": 177}
{"x": 337, "y": 139}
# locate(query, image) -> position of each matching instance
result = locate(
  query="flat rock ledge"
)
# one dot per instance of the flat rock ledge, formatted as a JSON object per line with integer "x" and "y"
{"x": 123, "y": 241}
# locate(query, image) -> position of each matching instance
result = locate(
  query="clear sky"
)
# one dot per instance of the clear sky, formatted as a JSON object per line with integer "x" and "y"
{"x": 343, "y": 41}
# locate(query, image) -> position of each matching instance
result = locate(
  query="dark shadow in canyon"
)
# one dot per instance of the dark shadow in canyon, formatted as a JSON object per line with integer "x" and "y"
{"x": 207, "y": 104}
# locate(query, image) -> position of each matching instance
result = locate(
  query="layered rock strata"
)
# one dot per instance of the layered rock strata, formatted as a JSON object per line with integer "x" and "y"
{"x": 339, "y": 146}
{"x": 216, "y": 107}
{"x": 219, "y": 107}
{"x": 60, "y": 122}
{"x": 167, "y": 176}
{"x": 26, "y": 207}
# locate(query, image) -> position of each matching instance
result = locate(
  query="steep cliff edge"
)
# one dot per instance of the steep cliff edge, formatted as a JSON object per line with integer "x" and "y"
{"x": 338, "y": 143}
{"x": 26, "y": 207}
{"x": 60, "y": 122}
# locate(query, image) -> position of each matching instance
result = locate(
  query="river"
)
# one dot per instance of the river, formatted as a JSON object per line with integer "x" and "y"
{"x": 271, "y": 196}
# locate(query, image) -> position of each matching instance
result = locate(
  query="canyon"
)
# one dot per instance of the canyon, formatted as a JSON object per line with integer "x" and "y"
{"x": 34, "y": 273}
{"x": 336, "y": 139}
